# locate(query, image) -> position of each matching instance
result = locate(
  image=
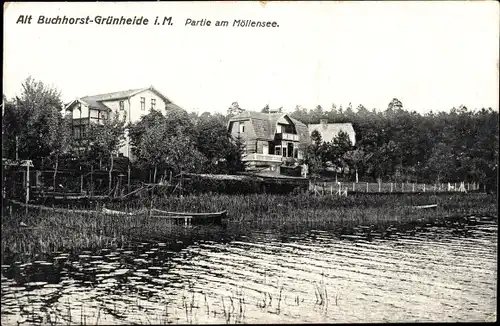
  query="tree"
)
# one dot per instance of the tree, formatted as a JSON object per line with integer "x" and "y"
{"x": 235, "y": 154}
{"x": 265, "y": 109}
{"x": 356, "y": 158}
{"x": 106, "y": 139}
{"x": 32, "y": 121}
{"x": 215, "y": 143}
{"x": 166, "y": 143}
{"x": 234, "y": 109}
{"x": 59, "y": 142}
{"x": 441, "y": 162}
{"x": 395, "y": 104}
{"x": 314, "y": 153}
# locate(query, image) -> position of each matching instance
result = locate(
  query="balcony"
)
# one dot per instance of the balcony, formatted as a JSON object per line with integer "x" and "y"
{"x": 262, "y": 158}
{"x": 287, "y": 136}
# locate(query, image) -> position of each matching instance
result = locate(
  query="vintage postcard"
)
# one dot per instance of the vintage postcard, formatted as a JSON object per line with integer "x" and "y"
{"x": 249, "y": 162}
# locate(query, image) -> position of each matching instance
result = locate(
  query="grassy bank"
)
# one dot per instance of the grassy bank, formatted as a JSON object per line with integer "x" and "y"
{"x": 47, "y": 232}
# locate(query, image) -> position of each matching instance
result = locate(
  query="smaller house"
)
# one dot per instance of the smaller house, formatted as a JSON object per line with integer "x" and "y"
{"x": 329, "y": 131}
{"x": 270, "y": 138}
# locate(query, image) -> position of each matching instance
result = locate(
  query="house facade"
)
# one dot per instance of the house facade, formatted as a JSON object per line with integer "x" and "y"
{"x": 329, "y": 131}
{"x": 269, "y": 138}
{"x": 132, "y": 104}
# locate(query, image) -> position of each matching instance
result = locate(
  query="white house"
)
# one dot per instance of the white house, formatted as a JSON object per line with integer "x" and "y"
{"x": 133, "y": 103}
{"x": 328, "y": 131}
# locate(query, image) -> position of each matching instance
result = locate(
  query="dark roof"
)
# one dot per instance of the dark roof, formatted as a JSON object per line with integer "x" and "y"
{"x": 173, "y": 106}
{"x": 302, "y": 130}
{"x": 111, "y": 96}
{"x": 264, "y": 124}
{"x": 95, "y": 101}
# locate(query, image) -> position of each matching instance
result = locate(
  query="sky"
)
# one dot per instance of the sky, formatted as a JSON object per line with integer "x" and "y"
{"x": 429, "y": 55}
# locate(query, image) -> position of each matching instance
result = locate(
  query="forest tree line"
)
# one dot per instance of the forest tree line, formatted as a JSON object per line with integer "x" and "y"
{"x": 398, "y": 144}
{"x": 391, "y": 144}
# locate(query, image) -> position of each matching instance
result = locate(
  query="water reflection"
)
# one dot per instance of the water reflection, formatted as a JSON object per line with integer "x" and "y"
{"x": 434, "y": 274}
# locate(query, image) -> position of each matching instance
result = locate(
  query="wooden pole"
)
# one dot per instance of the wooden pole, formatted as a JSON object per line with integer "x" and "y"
{"x": 27, "y": 186}
{"x": 81, "y": 182}
{"x": 17, "y": 148}
{"x": 92, "y": 179}
{"x": 128, "y": 177}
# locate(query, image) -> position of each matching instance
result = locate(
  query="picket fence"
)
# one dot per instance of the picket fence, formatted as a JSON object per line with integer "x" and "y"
{"x": 343, "y": 188}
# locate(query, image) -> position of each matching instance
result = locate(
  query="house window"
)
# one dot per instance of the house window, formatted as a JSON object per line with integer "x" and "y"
{"x": 290, "y": 149}
{"x": 284, "y": 151}
{"x": 76, "y": 132}
{"x": 122, "y": 105}
{"x": 242, "y": 127}
{"x": 295, "y": 152}
{"x": 277, "y": 150}
{"x": 153, "y": 103}
{"x": 143, "y": 103}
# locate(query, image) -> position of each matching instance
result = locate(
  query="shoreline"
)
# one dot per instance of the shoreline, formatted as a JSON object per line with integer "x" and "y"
{"x": 360, "y": 215}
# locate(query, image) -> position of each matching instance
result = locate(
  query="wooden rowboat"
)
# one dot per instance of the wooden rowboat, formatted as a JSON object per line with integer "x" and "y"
{"x": 186, "y": 217}
{"x": 425, "y": 206}
{"x": 209, "y": 215}
{"x": 191, "y": 218}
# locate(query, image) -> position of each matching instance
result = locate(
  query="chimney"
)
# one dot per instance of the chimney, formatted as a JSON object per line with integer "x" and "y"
{"x": 323, "y": 123}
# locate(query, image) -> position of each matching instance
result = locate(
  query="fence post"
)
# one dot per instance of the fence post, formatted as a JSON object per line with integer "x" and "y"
{"x": 402, "y": 187}
{"x": 379, "y": 185}
{"x": 353, "y": 186}
{"x": 367, "y": 187}
{"x": 391, "y": 186}
{"x": 331, "y": 190}
{"x": 424, "y": 186}
{"x": 81, "y": 183}
{"x": 413, "y": 187}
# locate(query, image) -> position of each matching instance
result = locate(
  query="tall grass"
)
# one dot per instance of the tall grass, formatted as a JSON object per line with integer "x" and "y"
{"x": 47, "y": 232}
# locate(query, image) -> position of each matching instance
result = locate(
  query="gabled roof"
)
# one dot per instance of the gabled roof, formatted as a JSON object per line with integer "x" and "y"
{"x": 264, "y": 124}
{"x": 96, "y": 101}
{"x": 330, "y": 130}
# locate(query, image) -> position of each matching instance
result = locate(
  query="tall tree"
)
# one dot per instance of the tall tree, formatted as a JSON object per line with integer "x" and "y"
{"x": 215, "y": 143}
{"x": 106, "y": 139}
{"x": 32, "y": 120}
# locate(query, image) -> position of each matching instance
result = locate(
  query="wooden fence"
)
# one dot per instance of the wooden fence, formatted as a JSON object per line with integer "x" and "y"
{"x": 343, "y": 188}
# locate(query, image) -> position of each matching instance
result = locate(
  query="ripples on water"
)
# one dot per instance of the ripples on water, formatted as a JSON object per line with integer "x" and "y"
{"x": 434, "y": 275}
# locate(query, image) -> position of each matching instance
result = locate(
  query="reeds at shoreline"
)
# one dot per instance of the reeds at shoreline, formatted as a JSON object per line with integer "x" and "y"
{"x": 47, "y": 232}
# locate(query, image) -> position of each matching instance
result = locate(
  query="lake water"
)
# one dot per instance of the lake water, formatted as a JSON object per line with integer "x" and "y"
{"x": 436, "y": 274}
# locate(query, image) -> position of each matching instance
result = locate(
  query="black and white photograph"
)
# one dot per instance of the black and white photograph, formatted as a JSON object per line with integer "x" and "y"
{"x": 249, "y": 162}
